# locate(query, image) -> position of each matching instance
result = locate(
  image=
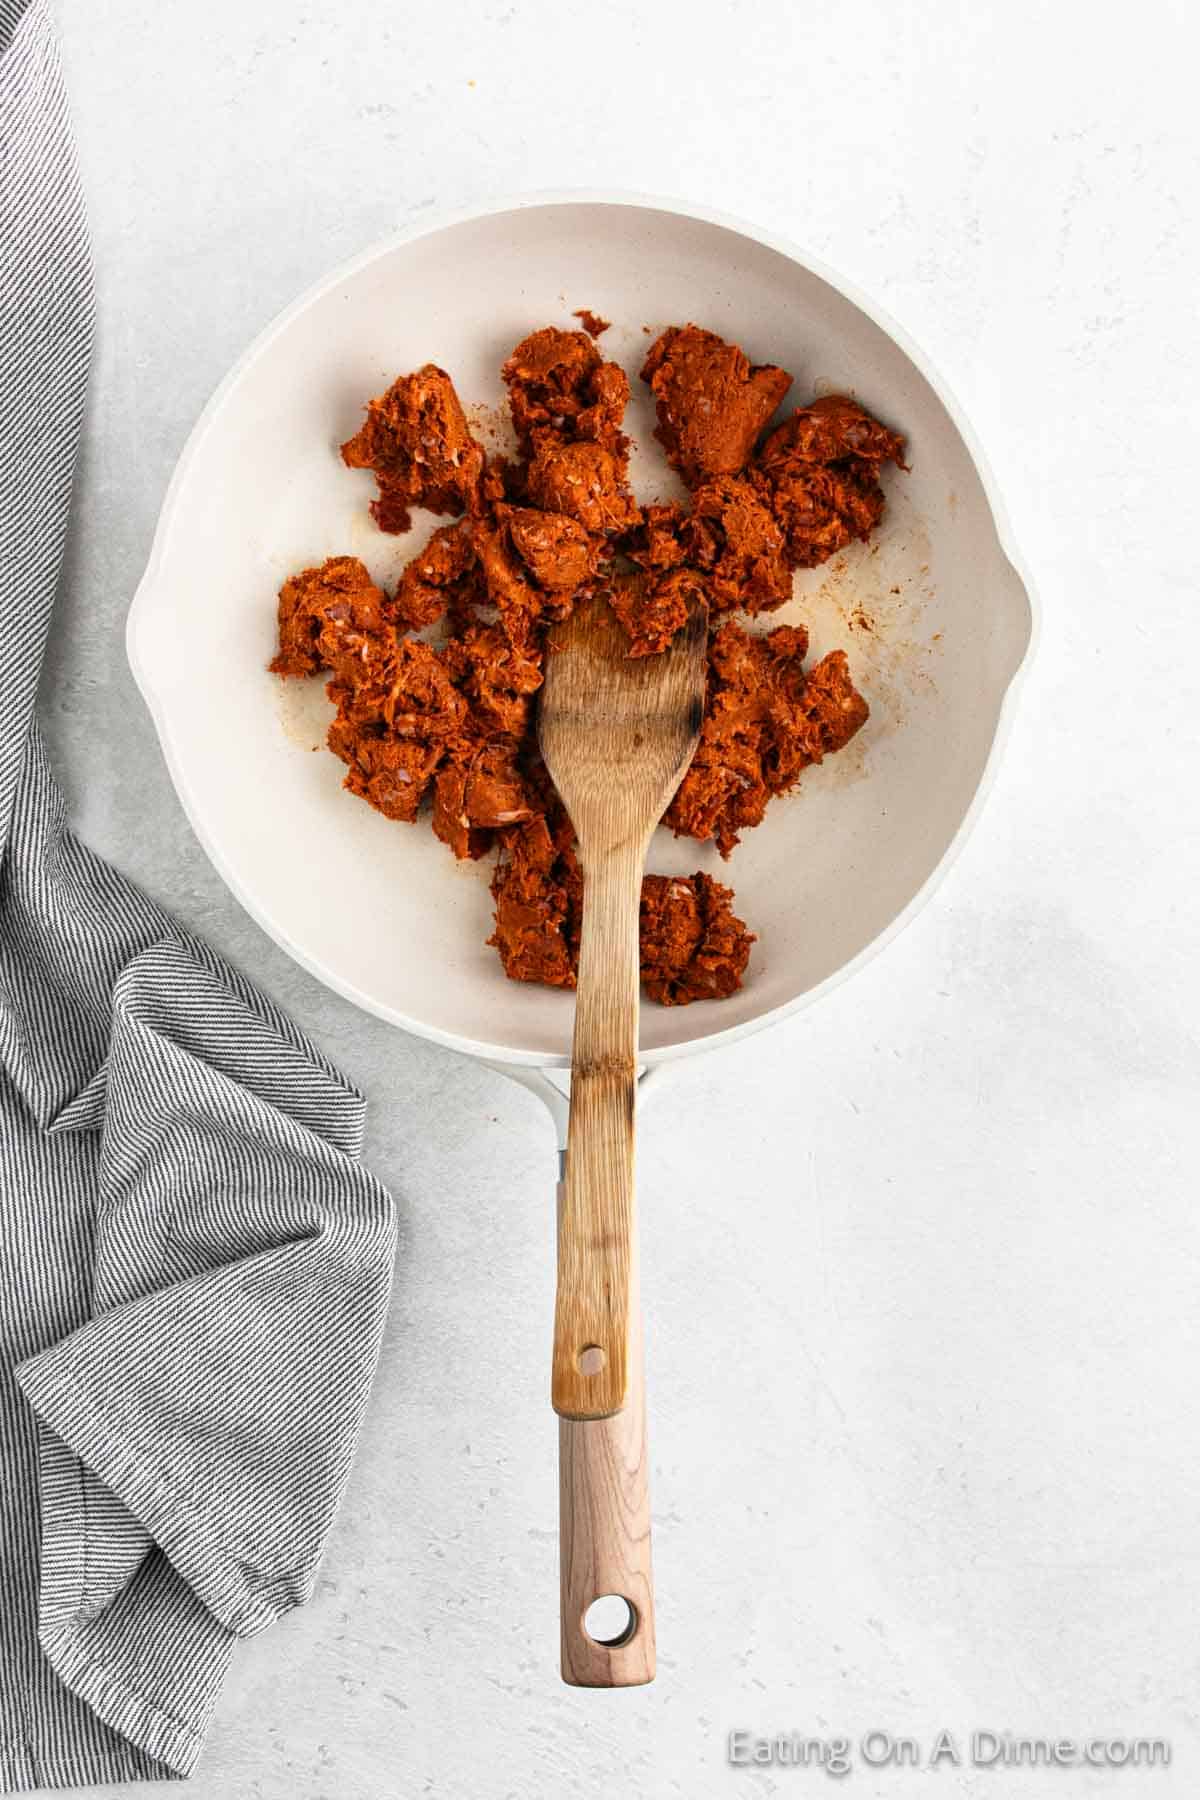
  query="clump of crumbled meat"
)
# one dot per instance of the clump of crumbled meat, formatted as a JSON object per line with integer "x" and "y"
{"x": 657, "y": 541}
{"x": 766, "y": 719}
{"x": 567, "y": 406}
{"x": 559, "y": 383}
{"x": 732, "y": 535}
{"x": 693, "y": 946}
{"x": 445, "y": 575}
{"x": 479, "y": 792}
{"x": 533, "y": 563}
{"x": 835, "y": 426}
{"x": 405, "y": 687}
{"x": 325, "y": 615}
{"x": 538, "y": 894}
{"x": 329, "y": 615}
{"x": 416, "y": 439}
{"x": 819, "y": 473}
{"x": 519, "y": 602}
{"x": 586, "y": 481}
{"x": 522, "y": 602}
{"x": 592, "y": 323}
{"x": 712, "y": 402}
{"x": 652, "y": 605}
{"x": 392, "y": 774}
{"x": 398, "y": 713}
{"x": 497, "y": 679}
{"x": 560, "y": 554}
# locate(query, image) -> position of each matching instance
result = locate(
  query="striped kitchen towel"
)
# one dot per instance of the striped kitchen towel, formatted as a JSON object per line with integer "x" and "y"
{"x": 194, "y": 1267}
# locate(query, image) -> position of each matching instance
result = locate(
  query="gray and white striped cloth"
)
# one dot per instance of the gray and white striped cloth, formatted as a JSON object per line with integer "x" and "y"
{"x": 194, "y": 1267}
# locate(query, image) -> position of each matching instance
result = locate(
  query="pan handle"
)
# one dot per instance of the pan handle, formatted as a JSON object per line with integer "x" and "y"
{"x": 603, "y": 1498}
{"x": 604, "y": 1536}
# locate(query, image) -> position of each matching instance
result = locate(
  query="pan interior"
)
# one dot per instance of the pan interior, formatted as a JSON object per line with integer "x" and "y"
{"x": 933, "y": 616}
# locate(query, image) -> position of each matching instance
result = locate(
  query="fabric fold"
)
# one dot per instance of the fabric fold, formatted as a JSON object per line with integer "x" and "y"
{"x": 194, "y": 1267}
{"x": 242, "y": 1264}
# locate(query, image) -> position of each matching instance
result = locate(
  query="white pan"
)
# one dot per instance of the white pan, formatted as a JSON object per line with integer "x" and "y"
{"x": 935, "y": 615}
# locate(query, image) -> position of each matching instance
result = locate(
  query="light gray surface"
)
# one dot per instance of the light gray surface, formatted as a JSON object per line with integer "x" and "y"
{"x": 922, "y": 1266}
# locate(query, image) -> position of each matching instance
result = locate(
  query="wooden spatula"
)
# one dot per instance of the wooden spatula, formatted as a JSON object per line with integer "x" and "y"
{"x": 617, "y": 734}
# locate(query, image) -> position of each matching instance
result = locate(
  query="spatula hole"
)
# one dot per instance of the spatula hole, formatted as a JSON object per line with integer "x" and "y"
{"x": 611, "y": 1621}
{"x": 590, "y": 1360}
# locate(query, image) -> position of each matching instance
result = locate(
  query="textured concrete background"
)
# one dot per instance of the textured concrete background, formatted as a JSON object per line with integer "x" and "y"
{"x": 923, "y": 1266}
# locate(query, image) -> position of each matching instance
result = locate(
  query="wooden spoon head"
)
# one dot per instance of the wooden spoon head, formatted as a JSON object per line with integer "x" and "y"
{"x": 617, "y": 732}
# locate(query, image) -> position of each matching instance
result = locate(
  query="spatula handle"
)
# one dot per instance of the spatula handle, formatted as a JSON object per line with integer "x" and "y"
{"x": 604, "y": 1536}
{"x": 596, "y": 1222}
